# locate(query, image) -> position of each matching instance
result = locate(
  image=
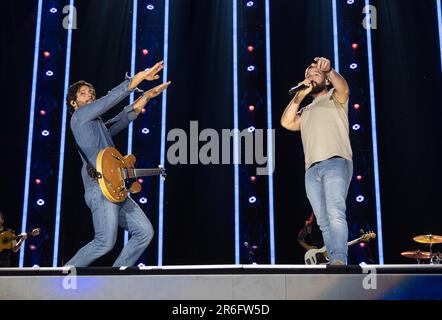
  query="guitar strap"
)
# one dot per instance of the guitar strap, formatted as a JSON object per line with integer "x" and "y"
{"x": 91, "y": 171}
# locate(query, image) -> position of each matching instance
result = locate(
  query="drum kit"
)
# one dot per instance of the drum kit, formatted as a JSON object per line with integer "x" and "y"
{"x": 432, "y": 257}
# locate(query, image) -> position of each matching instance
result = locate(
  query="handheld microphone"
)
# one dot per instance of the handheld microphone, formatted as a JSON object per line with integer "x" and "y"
{"x": 297, "y": 88}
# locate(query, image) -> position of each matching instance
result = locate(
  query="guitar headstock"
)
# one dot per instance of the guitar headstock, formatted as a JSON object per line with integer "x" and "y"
{"x": 35, "y": 232}
{"x": 162, "y": 172}
{"x": 368, "y": 235}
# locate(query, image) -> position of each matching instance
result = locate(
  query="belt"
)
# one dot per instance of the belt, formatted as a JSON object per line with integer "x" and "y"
{"x": 315, "y": 163}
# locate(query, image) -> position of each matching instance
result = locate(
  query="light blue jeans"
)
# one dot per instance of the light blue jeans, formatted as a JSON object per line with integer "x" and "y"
{"x": 326, "y": 184}
{"x": 107, "y": 216}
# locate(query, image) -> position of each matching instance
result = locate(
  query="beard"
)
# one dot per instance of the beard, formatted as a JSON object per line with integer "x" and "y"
{"x": 318, "y": 88}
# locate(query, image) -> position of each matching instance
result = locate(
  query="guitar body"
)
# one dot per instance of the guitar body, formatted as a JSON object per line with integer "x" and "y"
{"x": 5, "y": 240}
{"x": 118, "y": 176}
{"x": 111, "y": 164}
{"x": 316, "y": 256}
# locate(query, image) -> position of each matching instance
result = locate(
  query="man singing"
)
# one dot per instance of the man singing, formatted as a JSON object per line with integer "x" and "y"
{"x": 92, "y": 135}
{"x": 327, "y": 150}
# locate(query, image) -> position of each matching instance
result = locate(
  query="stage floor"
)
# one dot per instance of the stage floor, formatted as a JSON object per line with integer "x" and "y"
{"x": 225, "y": 282}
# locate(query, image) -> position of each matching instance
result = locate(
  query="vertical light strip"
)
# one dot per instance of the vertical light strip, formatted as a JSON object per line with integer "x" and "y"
{"x": 163, "y": 134}
{"x": 236, "y": 129}
{"x": 63, "y": 135}
{"x": 439, "y": 19}
{"x": 374, "y": 138}
{"x": 335, "y": 36}
{"x": 269, "y": 134}
{"x": 31, "y": 128}
{"x": 132, "y": 72}
{"x": 132, "y": 68}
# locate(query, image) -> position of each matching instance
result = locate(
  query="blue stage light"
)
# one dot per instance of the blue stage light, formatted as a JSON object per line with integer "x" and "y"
{"x": 49, "y": 73}
{"x": 53, "y": 10}
{"x": 235, "y": 126}
{"x": 145, "y": 131}
{"x": 356, "y": 127}
{"x": 64, "y": 117}
{"x": 45, "y": 133}
{"x": 252, "y": 199}
{"x": 31, "y": 127}
{"x": 374, "y": 140}
{"x": 163, "y": 133}
{"x": 353, "y": 66}
{"x": 270, "y": 154}
{"x": 250, "y": 4}
{"x": 132, "y": 71}
{"x": 360, "y": 198}
{"x": 150, "y": 7}
{"x": 40, "y": 202}
{"x": 250, "y": 68}
{"x": 439, "y": 19}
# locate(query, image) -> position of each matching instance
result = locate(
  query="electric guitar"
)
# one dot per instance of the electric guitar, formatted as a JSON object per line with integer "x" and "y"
{"x": 6, "y": 238}
{"x": 320, "y": 256}
{"x": 117, "y": 176}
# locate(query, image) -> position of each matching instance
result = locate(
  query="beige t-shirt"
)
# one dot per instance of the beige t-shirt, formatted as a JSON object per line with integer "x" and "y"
{"x": 324, "y": 130}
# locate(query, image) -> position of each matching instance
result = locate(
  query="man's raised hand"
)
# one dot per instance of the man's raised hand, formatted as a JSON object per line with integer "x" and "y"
{"x": 148, "y": 74}
{"x": 301, "y": 94}
{"x": 146, "y": 96}
{"x": 152, "y": 73}
{"x": 322, "y": 64}
{"x": 152, "y": 93}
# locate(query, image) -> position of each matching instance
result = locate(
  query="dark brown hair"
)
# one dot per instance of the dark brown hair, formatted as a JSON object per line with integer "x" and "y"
{"x": 72, "y": 93}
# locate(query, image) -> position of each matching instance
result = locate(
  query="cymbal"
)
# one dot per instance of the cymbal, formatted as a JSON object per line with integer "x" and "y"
{"x": 428, "y": 239}
{"x": 416, "y": 254}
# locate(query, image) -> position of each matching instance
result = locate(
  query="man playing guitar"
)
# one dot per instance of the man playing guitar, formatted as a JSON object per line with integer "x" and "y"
{"x": 93, "y": 135}
{"x": 5, "y": 255}
{"x": 311, "y": 232}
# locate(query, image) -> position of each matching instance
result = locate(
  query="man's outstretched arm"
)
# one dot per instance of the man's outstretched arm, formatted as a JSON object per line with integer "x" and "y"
{"x": 131, "y": 112}
{"x": 95, "y": 109}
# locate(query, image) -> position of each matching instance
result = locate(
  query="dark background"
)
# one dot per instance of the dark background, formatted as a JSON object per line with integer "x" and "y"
{"x": 198, "y": 213}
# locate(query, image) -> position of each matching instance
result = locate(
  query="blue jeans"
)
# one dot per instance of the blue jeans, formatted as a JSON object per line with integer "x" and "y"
{"x": 326, "y": 184}
{"x": 107, "y": 216}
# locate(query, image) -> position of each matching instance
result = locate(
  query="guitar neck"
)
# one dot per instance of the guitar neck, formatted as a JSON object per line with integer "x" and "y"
{"x": 148, "y": 172}
{"x": 355, "y": 241}
{"x": 29, "y": 234}
{"x": 14, "y": 238}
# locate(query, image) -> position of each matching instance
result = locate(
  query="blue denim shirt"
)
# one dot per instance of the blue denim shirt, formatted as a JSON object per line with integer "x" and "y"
{"x": 91, "y": 133}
